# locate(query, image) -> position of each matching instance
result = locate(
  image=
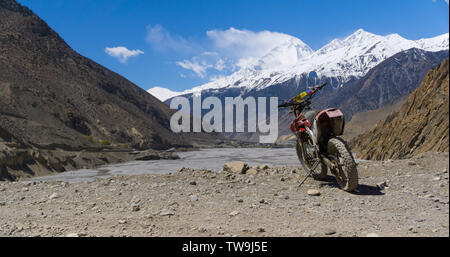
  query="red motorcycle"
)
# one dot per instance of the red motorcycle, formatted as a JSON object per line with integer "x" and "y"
{"x": 319, "y": 146}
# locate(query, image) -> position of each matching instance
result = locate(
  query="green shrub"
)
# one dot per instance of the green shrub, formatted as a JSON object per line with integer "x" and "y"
{"x": 105, "y": 142}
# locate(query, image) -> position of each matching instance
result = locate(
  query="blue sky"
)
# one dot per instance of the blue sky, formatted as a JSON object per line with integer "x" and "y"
{"x": 164, "y": 40}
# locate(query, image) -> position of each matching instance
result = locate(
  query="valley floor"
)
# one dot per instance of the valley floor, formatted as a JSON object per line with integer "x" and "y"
{"x": 203, "y": 203}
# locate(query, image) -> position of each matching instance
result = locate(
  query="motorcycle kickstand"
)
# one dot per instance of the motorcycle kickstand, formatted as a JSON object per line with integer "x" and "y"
{"x": 310, "y": 174}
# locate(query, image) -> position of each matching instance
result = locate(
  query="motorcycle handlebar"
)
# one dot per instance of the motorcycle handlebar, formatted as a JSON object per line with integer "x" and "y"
{"x": 287, "y": 104}
{"x": 321, "y": 86}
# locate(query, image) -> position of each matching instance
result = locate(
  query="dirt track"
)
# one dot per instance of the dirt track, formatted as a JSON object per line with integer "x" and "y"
{"x": 203, "y": 203}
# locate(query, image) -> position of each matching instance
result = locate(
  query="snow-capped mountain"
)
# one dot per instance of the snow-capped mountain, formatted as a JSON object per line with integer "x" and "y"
{"x": 286, "y": 54}
{"x": 341, "y": 60}
{"x": 163, "y": 93}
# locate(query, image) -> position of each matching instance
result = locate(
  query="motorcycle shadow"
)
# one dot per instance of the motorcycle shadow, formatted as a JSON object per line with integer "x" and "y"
{"x": 362, "y": 189}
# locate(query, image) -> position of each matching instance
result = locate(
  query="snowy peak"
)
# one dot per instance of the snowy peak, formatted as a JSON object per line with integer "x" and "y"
{"x": 341, "y": 59}
{"x": 360, "y": 36}
{"x": 356, "y": 54}
{"x": 434, "y": 43}
{"x": 287, "y": 53}
{"x": 163, "y": 93}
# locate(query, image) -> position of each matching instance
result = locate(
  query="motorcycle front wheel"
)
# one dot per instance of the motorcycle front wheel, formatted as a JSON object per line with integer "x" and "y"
{"x": 345, "y": 168}
{"x": 320, "y": 171}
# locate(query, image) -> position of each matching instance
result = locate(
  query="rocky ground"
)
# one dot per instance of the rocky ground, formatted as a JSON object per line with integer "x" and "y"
{"x": 395, "y": 198}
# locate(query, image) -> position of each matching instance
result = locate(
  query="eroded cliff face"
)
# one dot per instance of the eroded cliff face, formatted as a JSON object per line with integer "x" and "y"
{"x": 52, "y": 96}
{"x": 421, "y": 125}
{"x": 61, "y": 111}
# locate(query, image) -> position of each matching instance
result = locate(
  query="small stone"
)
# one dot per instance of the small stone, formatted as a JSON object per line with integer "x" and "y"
{"x": 372, "y": 235}
{"x": 382, "y": 185}
{"x": 264, "y": 167}
{"x": 286, "y": 197}
{"x": 25, "y": 189}
{"x": 282, "y": 179}
{"x": 193, "y": 183}
{"x": 72, "y": 235}
{"x": 313, "y": 192}
{"x": 202, "y": 230}
{"x": 122, "y": 221}
{"x": 54, "y": 196}
{"x": 436, "y": 178}
{"x": 412, "y": 229}
{"x": 240, "y": 200}
{"x": 173, "y": 204}
{"x": 233, "y": 213}
{"x": 166, "y": 213}
{"x": 135, "y": 207}
{"x": 194, "y": 198}
{"x": 412, "y": 163}
{"x": 330, "y": 231}
{"x": 262, "y": 201}
{"x": 428, "y": 196}
{"x": 261, "y": 230}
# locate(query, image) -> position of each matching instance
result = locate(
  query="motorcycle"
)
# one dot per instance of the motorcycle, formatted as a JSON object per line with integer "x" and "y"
{"x": 319, "y": 147}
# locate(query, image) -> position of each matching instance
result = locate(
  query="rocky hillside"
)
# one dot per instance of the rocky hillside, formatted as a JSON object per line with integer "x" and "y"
{"x": 420, "y": 125}
{"x": 53, "y": 96}
{"x": 54, "y": 99}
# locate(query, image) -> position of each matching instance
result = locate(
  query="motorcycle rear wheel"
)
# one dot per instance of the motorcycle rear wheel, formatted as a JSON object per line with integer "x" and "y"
{"x": 319, "y": 172}
{"x": 346, "y": 172}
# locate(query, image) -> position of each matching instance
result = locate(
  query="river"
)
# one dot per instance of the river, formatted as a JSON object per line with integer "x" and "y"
{"x": 211, "y": 158}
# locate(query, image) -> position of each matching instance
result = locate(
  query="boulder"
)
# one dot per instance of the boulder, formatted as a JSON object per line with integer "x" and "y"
{"x": 252, "y": 171}
{"x": 236, "y": 167}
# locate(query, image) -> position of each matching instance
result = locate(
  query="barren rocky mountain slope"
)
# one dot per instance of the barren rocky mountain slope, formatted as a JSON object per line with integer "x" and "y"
{"x": 422, "y": 123}
{"x": 394, "y": 198}
{"x": 55, "y": 102}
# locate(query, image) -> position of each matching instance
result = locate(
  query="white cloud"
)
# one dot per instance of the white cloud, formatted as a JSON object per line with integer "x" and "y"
{"x": 216, "y": 77}
{"x": 197, "y": 66}
{"x": 201, "y": 63}
{"x": 245, "y": 43}
{"x": 446, "y": 1}
{"x": 221, "y": 50}
{"x": 162, "y": 40}
{"x": 220, "y": 65}
{"x": 122, "y": 53}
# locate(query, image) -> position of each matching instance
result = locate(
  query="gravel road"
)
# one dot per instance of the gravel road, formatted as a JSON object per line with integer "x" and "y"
{"x": 407, "y": 197}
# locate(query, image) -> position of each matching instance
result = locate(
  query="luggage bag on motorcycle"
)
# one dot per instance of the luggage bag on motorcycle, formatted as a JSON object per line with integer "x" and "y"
{"x": 333, "y": 120}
